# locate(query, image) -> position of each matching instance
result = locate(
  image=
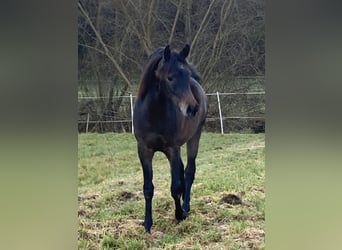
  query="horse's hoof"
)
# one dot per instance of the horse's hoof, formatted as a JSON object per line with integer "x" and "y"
{"x": 148, "y": 225}
{"x": 181, "y": 215}
{"x": 186, "y": 209}
{"x": 148, "y": 230}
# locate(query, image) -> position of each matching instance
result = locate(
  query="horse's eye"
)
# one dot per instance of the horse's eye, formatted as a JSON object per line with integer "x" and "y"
{"x": 169, "y": 78}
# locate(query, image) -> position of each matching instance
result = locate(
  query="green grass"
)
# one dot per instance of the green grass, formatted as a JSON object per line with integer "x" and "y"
{"x": 111, "y": 202}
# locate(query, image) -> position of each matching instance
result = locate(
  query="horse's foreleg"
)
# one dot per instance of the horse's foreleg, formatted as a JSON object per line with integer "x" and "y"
{"x": 189, "y": 178}
{"x": 190, "y": 170}
{"x": 177, "y": 182}
{"x": 145, "y": 156}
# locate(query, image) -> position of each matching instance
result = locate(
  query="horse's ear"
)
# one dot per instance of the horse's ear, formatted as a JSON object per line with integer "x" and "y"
{"x": 185, "y": 51}
{"x": 167, "y": 53}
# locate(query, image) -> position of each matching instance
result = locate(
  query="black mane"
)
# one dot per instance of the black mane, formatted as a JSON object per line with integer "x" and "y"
{"x": 148, "y": 76}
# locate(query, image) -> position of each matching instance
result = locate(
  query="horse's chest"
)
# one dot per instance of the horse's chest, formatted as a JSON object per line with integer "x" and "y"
{"x": 158, "y": 142}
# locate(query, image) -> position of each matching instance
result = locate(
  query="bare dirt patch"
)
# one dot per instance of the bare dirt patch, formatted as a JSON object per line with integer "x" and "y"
{"x": 87, "y": 197}
{"x": 126, "y": 195}
{"x": 231, "y": 199}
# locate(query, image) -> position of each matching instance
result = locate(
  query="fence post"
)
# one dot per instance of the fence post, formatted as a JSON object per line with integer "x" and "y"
{"x": 87, "y": 123}
{"x": 131, "y": 99}
{"x": 220, "y": 113}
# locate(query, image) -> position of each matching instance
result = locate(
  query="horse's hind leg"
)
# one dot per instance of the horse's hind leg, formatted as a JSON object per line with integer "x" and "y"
{"x": 145, "y": 156}
{"x": 190, "y": 170}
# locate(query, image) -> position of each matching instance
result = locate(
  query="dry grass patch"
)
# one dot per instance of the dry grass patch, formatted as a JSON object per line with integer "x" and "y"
{"x": 227, "y": 204}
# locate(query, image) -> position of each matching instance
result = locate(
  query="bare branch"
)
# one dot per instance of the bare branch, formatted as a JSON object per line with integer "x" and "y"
{"x": 107, "y": 52}
{"x": 142, "y": 37}
{"x": 175, "y": 21}
{"x": 91, "y": 47}
{"x": 103, "y": 53}
{"x": 216, "y": 49}
{"x": 188, "y": 21}
{"x": 201, "y": 25}
{"x": 149, "y": 24}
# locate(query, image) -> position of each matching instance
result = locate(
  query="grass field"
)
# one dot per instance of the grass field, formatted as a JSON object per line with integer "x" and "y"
{"x": 111, "y": 202}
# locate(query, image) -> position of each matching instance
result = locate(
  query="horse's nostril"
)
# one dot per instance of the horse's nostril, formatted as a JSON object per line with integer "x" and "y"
{"x": 192, "y": 110}
{"x": 196, "y": 109}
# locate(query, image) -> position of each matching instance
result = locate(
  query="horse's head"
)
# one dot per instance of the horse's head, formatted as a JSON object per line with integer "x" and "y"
{"x": 174, "y": 77}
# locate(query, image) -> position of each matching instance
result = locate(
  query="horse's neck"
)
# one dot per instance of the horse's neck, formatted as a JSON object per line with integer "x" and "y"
{"x": 149, "y": 79}
{"x": 157, "y": 100}
{"x": 159, "y": 105}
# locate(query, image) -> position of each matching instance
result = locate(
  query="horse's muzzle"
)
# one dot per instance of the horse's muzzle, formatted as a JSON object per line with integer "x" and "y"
{"x": 187, "y": 109}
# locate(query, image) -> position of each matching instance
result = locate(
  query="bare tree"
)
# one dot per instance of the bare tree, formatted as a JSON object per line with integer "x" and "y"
{"x": 104, "y": 46}
{"x": 227, "y": 41}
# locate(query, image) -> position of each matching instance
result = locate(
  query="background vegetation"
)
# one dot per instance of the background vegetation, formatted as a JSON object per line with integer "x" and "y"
{"x": 227, "y": 39}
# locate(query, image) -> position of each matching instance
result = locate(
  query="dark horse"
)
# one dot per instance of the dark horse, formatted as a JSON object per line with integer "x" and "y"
{"x": 170, "y": 110}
